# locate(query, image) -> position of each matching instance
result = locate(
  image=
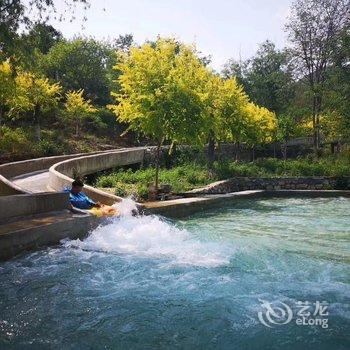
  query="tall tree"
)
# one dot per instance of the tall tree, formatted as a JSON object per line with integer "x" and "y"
{"x": 41, "y": 37}
{"x": 269, "y": 77}
{"x": 14, "y": 13}
{"x": 7, "y": 88}
{"x": 162, "y": 93}
{"x": 238, "y": 70}
{"x": 78, "y": 109}
{"x": 82, "y": 64}
{"x": 266, "y": 77}
{"x": 315, "y": 27}
{"x": 124, "y": 42}
{"x": 34, "y": 95}
{"x": 226, "y": 113}
{"x": 337, "y": 91}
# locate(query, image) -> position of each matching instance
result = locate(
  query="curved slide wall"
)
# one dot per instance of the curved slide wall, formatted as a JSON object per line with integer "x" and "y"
{"x": 61, "y": 174}
{"x": 13, "y": 169}
{"x": 7, "y": 188}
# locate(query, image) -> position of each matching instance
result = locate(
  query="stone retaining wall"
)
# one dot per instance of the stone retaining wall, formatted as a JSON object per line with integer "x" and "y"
{"x": 248, "y": 183}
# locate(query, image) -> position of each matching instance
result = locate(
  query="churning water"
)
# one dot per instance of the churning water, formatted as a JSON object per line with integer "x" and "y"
{"x": 198, "y": 283}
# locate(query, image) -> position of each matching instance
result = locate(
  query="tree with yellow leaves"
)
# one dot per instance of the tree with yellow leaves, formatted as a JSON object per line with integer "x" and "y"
{"x": 261, "y": 124}
{"x": 78, "y": 109}
{"x": 233, "y": 118}
{"x": 163, "y": 93}
{"x": 34, "y": 95}
{"x": 7, "y": 87}
{"x": 169, "y": 95}
{"x": 229, "y": 117}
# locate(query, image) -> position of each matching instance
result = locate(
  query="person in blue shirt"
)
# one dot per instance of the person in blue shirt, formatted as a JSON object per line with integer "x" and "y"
{"x": 78, "y": 198}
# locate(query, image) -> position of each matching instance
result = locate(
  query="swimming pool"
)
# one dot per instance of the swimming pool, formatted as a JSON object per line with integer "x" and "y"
{"x": 227, "y": 278}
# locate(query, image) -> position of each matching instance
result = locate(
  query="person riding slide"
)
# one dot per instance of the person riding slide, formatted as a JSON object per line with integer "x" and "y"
{"x": 78, "y": 199}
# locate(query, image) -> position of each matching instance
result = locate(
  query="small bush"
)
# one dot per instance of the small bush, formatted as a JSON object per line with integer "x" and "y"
{"x": 14, "y": 142}
{"x": 46, "y": 148}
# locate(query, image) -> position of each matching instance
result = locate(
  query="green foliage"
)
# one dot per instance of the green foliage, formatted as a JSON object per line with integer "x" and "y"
{"x": 336, "y": 122}
{"x": 162, "y": 92}
{"x": 82, "y": 64}
{"x": 78, "y": 109}
{"x": 46, "y": 148}
{"x": 34, "y": 94}
{"x": 286, "y": 128}
{"x": 226, "y": 170}
{"x": 190, "y": 175}
{"x": 21, "y": 13}
{"x": 41, "y": 37}
{"x": 7, "y": 87}
{"x": 167, "y": 93}
{"x": 266, "y": 77}
{"x": 13, "y": 141}
{"x": 181, "y": 178}
{"x": 326, "y": 166}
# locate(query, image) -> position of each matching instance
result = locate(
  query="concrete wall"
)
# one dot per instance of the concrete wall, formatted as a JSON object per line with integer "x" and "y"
{"x": 13, "y": 169}
{"x": 8, "y": 188}
{"x": 48, "y": 233}
{"x": 29, "y": 204}
{"x": 61, "y": 174}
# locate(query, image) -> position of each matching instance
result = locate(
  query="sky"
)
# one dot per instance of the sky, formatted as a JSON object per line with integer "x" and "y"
{"x": 223, "y": 29}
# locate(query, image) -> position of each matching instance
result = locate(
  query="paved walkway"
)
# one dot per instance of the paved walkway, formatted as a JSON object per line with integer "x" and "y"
{"x": 34, "y": 182}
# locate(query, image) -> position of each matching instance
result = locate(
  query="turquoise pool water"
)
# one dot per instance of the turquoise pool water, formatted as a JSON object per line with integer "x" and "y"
{"x": 229, "y": 278}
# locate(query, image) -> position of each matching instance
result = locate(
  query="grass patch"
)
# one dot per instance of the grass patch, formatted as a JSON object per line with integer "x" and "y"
{"x": 181, "y": 178}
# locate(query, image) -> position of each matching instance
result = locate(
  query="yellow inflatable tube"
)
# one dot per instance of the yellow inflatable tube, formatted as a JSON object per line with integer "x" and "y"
{"x": 104, "y": 210}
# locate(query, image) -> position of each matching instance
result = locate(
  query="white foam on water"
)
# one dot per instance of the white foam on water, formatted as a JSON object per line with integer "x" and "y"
{"x": 150, "y": 236}
{"x": 126, "y": 207}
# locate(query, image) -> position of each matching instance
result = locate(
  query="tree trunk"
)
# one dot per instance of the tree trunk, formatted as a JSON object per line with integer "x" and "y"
{"x": 285, "y": 151}
{"x": 77, "y": 130}
{"x": 316, "y": 110}
{"x": 237, "y": 152}
{"x": 211, "y": 149}
{"x": 314, "y": 127}
{"x": 157, "y": 164}
{"x": 1, "y": 118}
{"x": 37, "y": 126}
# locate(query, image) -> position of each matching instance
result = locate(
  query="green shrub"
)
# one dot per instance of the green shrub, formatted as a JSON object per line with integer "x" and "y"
{"x": 121, "y": 190}
{"x": 14, "y": 142}
{"x": 142, "y": 191}
{"x": 46, "y": 148}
